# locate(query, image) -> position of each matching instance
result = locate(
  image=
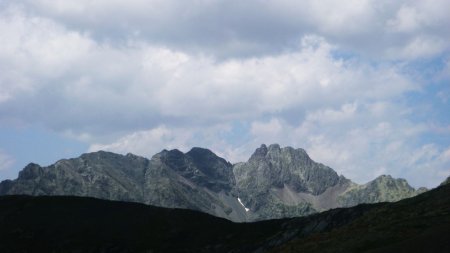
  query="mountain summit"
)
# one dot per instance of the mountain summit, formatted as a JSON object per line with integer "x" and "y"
{"x": 274, "y": 183}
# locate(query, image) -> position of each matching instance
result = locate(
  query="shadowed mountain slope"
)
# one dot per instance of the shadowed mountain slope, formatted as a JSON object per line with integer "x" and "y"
{"x": 418, "y": 224}
{"x": 76, "y": 224}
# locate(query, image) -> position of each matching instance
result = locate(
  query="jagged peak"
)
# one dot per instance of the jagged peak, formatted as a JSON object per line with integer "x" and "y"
{"x": 259, "y": 153}
{"x": 191, "y": 151}
{"x": 197, "y": 153}
{"x": 32, "y": 170}
{"x": 275, "y": 149}
{"x": 173, "y": 155}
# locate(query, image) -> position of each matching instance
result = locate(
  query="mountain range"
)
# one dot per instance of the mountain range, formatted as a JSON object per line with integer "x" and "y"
{"x": 274, "y": 183}
{"x": 83, "y": 224}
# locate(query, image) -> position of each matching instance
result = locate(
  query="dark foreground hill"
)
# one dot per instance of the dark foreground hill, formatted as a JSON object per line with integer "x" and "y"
{"x": 79, "y": 224}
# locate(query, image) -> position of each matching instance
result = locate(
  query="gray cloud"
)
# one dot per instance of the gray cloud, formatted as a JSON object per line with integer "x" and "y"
{"x": 396, "y": 30}
{"x": 99, "y": 88}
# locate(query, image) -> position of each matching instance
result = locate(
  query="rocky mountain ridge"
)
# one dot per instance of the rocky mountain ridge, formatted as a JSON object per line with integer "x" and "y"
{"x": 274, "y": 183}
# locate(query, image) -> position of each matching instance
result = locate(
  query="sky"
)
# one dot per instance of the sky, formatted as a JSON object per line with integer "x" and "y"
{"x": 362, "y": 85}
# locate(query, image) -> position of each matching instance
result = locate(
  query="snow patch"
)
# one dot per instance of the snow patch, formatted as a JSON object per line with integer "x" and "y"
{"x": 246, "y": 209}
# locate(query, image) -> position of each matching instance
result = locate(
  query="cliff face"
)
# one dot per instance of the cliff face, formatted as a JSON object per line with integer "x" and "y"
{"x": 198, "y": 180}
{"x": 274, "y": 183}
{"x": 281, "y": 182}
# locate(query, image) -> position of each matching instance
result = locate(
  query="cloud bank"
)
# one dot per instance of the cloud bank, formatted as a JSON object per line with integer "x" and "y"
{"x": 342, "y": 80}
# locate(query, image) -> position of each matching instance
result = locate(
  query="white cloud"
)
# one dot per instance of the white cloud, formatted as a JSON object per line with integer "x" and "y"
{"x": 346, "y": 112}
{"x": 148, "y": 142}
{"x": 407, "y": 19}
{"x": 140, "y": 76}
{"x": 235, "y": 28}
{"x": 35, "y": 54}
{"x": 423, "y": 46}
{"x": 101, "y": 88}
{"x": 270, "y": 131}
{"x": 339, "y": 18}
